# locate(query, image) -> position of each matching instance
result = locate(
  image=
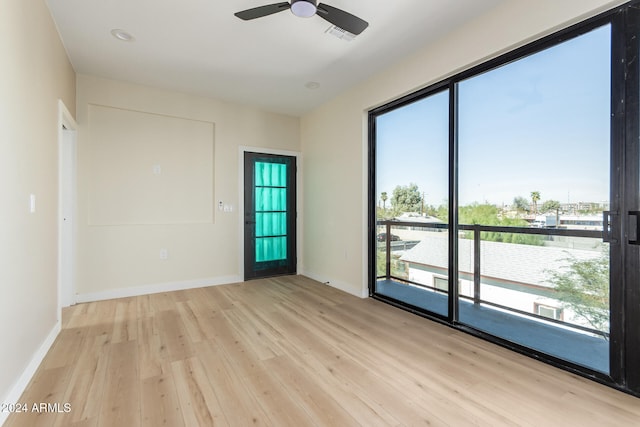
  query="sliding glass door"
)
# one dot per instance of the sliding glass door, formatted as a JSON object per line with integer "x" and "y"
{"x": 505, "y": 200}
{"x": 534, "y": 144}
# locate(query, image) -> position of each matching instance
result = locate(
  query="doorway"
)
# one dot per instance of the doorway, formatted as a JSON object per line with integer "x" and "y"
{"x": 269, "y": 215}
{"x": 67, "y": 172}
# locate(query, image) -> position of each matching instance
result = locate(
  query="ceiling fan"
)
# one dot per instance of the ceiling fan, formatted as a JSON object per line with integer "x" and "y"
{"x": 306, "y": 9}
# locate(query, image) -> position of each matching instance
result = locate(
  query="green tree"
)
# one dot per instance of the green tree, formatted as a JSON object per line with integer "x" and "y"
{"x": 551, "y": 206}
{"x": 383, "y": 196}
{"x": 398, "y": 268}
{"x": 383, "y": 214}
{"x": 583, "y": 287}
{"x": 535, "y": 198}
{"x": 477, "y": 213}
{"x": 441, "y": 212}
{"x": 406, "y": 198}
{"x": 486, "y": 214}
{"x": 521, "y": 204}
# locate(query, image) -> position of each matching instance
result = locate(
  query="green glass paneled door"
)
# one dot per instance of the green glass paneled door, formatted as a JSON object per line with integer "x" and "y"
{"x": 269, "y": 215}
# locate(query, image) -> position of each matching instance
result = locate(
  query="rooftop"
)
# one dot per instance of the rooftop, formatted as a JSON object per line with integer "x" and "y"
{"x": 513, "y": 262}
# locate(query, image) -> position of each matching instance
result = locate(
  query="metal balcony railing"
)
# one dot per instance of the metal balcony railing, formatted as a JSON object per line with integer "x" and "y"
{"x": 389, "y": 225}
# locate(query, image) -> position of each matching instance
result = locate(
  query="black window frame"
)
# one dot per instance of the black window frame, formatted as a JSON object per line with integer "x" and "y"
{"x": 625, "y": 200}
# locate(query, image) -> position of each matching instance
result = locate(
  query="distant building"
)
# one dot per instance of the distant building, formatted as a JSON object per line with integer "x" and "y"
{"x": 570, "y": 222}
{"x": 410, "y": 233}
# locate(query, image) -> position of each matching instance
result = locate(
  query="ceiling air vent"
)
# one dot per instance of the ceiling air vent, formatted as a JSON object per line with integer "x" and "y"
{"x": 340, "y": 33}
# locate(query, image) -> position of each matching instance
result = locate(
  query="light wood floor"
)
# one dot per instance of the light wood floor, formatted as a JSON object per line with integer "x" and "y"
{"x": 292, "y": 352}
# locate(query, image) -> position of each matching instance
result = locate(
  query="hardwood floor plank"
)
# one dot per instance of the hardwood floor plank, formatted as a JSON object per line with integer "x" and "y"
{"x": 442, "y": 371}
{"x": 161, "y": 302}
{"x": 361, "y": 377}
{"x": 316, "y": 358}
{"x": 240, "y": 406}
{"x": 151, "y": 351}
{"x": 191, "y": 318}
{"x": 291, "y": 351}
{"x": 222, "y": 297}
{"x": 173, "y": 334}
{"x": 93, "y": 422}
{"x": 281, "y": 409}
{"x": 316, "y": 401}
{"x": 258, "y": 341}
{"x": 160, "y": 402}
{"x": 125, "y": 323}
{"x": 121, "y": 397}
{"x": 65, "y": 350}
{"x": 89, "y": 376}
{"x": 200, "y": 406}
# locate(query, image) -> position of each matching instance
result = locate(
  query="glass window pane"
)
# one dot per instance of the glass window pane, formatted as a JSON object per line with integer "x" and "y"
{"x": 271, "y": 224}
{"x": 271, "y": 248}
{"x": 412, "y": 173}
{"x": 534, "y": 152}
{"x": 271, "y": 174}
{"x": 271, "y": 199}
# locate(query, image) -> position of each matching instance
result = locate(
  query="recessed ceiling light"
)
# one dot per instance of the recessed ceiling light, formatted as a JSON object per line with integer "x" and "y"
{"x": 122, "y": 35}
{"x": 312, "y": 85}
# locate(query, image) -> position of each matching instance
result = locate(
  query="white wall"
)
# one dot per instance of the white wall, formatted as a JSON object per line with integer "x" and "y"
{"x": 118, "y": 259}
{"x": 35, "y": 73}
{"x": 334, "y": 137}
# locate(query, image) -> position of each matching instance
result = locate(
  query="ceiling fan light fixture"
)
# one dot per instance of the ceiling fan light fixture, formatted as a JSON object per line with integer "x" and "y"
{"x": 304, "y": 8}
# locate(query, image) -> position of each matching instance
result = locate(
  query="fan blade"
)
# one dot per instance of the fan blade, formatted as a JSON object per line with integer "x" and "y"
{"x": 342, "y": 19}
{"x": 260, "y": 11}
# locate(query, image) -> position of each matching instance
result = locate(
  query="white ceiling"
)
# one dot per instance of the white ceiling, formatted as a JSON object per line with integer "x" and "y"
{"x": 199, "y": 46}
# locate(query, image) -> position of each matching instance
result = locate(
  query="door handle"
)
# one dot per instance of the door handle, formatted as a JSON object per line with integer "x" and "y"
{"x": 634, "y": 227}
{"x": 606, "y": 227}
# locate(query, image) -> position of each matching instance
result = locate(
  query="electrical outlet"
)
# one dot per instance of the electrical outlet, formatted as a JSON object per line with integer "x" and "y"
{"x": 164, "y": 254}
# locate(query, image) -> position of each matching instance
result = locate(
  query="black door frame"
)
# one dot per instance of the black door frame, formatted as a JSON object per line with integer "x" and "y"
{"x": 293, "y": 246}
{"x": 629, "y": 218}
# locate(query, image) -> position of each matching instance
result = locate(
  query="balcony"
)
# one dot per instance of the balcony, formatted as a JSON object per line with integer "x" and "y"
{"x": 505, "y": 289}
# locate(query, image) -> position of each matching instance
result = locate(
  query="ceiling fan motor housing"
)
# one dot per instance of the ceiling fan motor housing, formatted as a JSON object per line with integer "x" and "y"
{"x": 304, "y": 8}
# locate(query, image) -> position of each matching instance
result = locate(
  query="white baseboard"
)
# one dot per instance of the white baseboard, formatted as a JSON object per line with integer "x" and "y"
{"x": 16, "y": 391}
{"x": 343, "y": 286}
{"x": 156, "y": 288}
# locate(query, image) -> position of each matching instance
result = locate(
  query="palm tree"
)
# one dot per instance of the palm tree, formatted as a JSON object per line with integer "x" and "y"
{"x": 535, "y": 196}
{"x": 383, "y": 196}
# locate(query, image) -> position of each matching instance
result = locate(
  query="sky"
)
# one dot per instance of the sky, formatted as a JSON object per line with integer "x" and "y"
{"x": 541, "y": 123}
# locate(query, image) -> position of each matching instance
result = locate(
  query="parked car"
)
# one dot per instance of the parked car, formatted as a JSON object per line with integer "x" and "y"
{"x": 382, "y": 237}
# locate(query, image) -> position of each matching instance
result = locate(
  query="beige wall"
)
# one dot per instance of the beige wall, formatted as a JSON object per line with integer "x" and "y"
{"x": 121, "y": 259}
{"x": 148, "y": 168}
{"x": 34, "y": 74}
{"x": 334, "y": 136}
